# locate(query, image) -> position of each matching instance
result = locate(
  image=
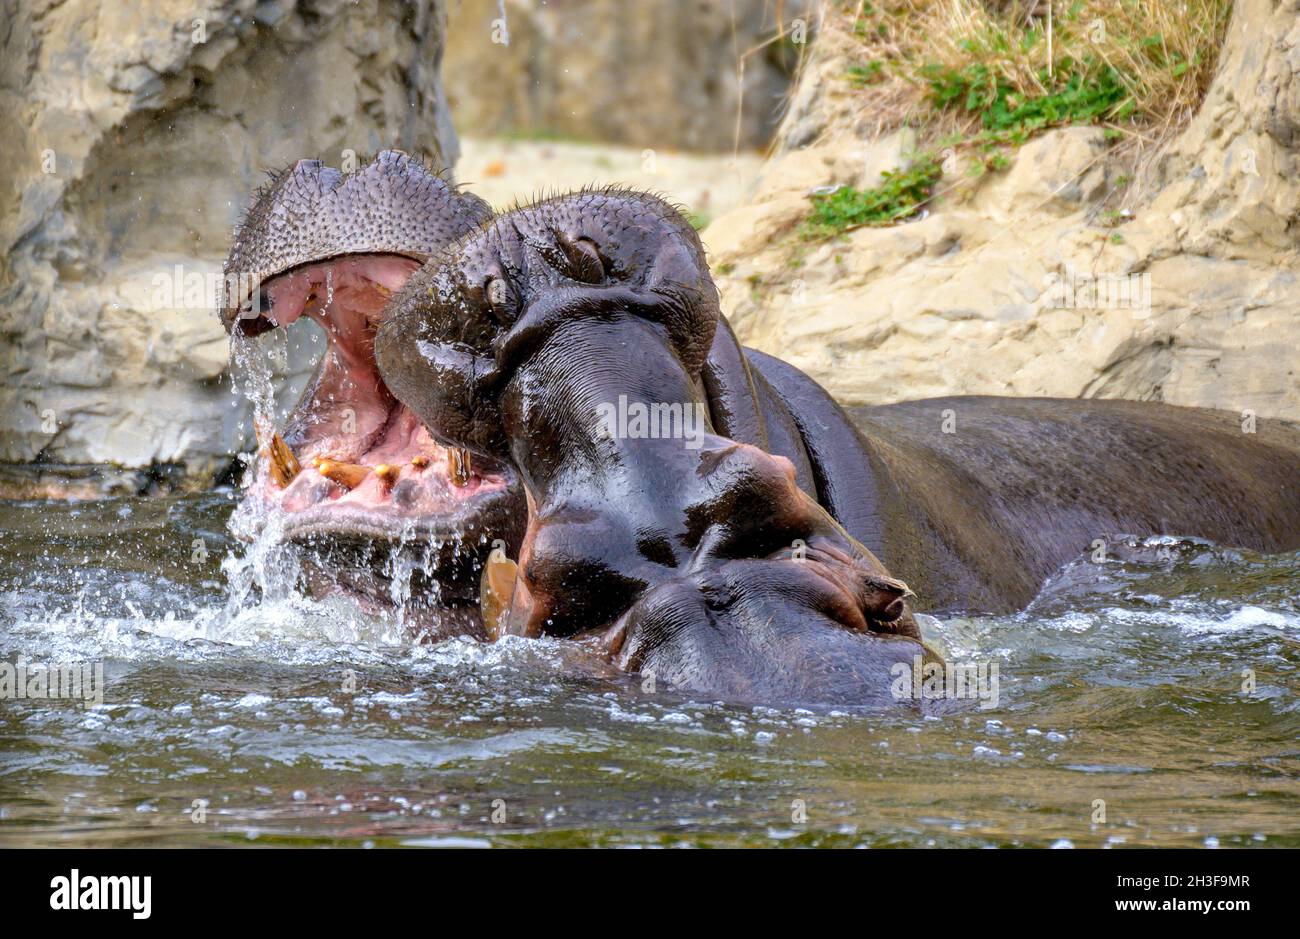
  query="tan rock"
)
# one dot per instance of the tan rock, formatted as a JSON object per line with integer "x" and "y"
{"x": 132, "y": 135}
{"x": 1016, "y": 286}
{"x": 669, "y": 74}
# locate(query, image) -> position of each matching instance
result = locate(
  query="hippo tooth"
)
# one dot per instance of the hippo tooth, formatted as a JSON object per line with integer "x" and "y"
{"x": 496, "y": 591}
{"x": 283, "y": 464}
{"x": 387, "y": 475}
{"x": 458, "y": 466}
{"x": 419, "y": 462}
{"x": 347, "y": 475}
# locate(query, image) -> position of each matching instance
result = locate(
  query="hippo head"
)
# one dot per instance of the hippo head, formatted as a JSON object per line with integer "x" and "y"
{"x": 479, "y": 387}
{"x": 694, "y": 555}
{"x": 354, "y": 467}
{"x": 464, "y": 323}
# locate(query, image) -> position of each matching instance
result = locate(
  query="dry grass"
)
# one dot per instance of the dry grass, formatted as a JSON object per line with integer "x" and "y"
{"x": 1161, "y": 53}
{"x": 978, "y": 77}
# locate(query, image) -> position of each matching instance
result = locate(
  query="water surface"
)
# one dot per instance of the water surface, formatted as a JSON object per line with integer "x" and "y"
{"x": 235, "y": 711}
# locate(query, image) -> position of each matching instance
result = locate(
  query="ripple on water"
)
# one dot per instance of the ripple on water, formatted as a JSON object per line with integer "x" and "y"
{"x": 302, "y": 721}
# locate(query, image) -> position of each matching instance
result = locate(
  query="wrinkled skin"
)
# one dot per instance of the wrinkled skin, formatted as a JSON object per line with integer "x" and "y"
{"x": 710, "y": 565}
{"x": 517, "y": 339}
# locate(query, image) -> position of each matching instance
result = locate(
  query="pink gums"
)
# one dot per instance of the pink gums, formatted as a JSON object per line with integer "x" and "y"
{"x": 349, "y": 415}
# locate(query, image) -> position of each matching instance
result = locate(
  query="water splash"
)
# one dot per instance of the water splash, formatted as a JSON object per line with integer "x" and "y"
{"x": 267, "y": 577}
{"x": 269, "y": 569}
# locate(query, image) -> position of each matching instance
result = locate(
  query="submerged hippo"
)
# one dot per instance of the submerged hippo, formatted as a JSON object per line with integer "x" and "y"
{"x": 497, "y": 380}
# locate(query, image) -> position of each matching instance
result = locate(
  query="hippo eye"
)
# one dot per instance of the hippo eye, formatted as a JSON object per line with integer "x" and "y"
{"x": 586, "y": 263}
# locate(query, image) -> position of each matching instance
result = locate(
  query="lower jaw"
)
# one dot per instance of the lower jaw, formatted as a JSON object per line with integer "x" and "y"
{"x": 481, "y": 520}
{"x": 440, "y": 558}
{"x": 427, "y": 614}
{"x": 354, "y": 543}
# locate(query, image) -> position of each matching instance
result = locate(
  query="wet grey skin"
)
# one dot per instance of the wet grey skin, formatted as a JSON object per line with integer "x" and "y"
{"x": 696, "y": 557}
{"x": 975, "y": 520}
{"x": 673, "y": 561}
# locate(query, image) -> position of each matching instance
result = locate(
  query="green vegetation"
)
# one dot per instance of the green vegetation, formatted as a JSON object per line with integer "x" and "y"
{"x": 900, "y": 195}
{"x": 979, "y": 77}
{"x": 867, "y": 73}
{"x": 1084, "y": 96}
{"x": 1139, "y": 61}
{"x": 699, "y": 220}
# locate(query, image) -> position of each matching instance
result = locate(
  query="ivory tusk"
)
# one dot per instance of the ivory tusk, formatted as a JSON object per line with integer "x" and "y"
{"x": 496, "y": 591}
{"x": 458, "y": 466}
{"x": 347, "y": 475}
{"x": 283, "y": 464}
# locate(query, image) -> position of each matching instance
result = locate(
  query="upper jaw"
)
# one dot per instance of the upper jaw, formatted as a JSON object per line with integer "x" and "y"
{"x": 310, "y": 212}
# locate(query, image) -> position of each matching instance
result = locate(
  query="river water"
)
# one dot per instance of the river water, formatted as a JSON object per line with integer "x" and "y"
{"x": 1147, "y": 700}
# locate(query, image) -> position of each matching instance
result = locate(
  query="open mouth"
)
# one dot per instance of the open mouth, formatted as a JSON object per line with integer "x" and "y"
{"x": 353, "y": 460}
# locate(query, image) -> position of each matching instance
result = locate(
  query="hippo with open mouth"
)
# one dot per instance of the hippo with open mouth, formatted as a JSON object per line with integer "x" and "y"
{"x": 354, "y": 469}
{"x": 486, "y": 383}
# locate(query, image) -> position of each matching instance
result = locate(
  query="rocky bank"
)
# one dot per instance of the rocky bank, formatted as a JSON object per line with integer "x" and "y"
{"x": 1016, "y": 284}
{"x": 684, "y": 74}
{"x": 131, "y": 135}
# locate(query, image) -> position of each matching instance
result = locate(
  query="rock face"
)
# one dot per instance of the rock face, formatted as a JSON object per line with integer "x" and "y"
{"x": 1015, "y": 284}
{"x": 662, "y": 74}
{"x": 132, "y": 135}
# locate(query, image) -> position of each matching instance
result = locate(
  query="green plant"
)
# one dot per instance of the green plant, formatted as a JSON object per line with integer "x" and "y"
{"x": 1144, "y": 63}
{"x": 1087, "y": 94}
{"x": 866, "y": 74}
{"x": 900, "y": 195}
